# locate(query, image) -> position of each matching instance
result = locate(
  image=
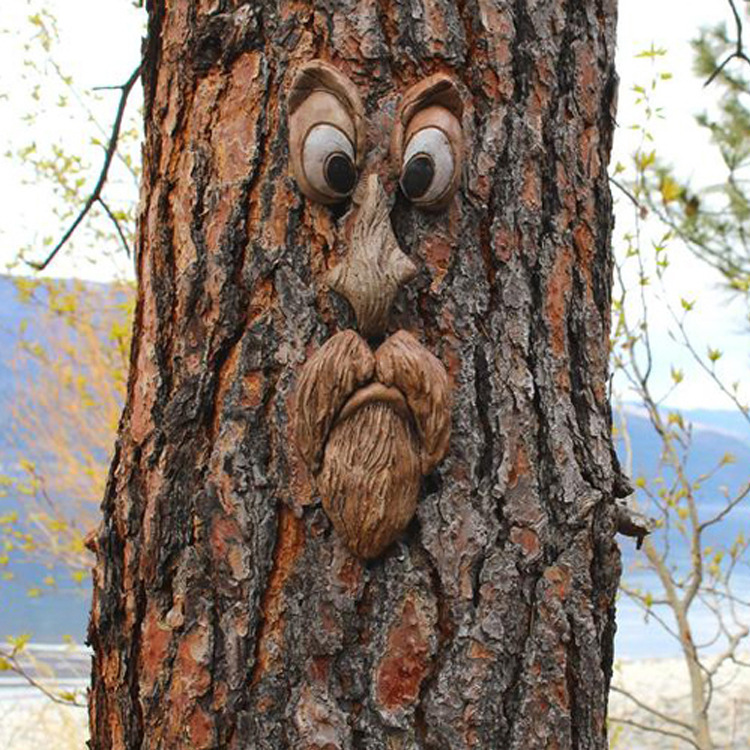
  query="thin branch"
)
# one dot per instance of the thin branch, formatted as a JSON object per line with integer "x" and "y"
{"x": 107, "y": 88}
{"x": 627, "y": 193}
{"x": 114, "y": 220}
{"x": 109, "y": 155}
{"x": 651, "y": 710}
{"x": 649, "y": 611}
{"x": 14, "y": 665}
{"x": 718, "y": 70}
{"x": 739, "y": 52}
{"x": 731, "y": 650}
{"x": 85, "y": 106}
{"x": 710, "y": 371}
{"x": 656, "y": 730}
{"x": 728, "y": 509}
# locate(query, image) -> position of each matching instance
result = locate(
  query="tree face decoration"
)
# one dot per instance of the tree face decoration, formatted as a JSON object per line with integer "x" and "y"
{"x": 371, "y": 423}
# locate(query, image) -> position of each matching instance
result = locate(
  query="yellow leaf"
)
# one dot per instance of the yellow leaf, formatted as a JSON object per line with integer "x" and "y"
{"x": 19, "y": 642}
{"x": 670, "y": 190}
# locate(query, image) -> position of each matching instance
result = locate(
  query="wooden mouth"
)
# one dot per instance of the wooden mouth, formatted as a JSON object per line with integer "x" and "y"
{"x": 375, "y": 392}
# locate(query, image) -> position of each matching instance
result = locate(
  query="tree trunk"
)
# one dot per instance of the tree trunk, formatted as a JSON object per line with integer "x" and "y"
{"x": 227, "y": 613}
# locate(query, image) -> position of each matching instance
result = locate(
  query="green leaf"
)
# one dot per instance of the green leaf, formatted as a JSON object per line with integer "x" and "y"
{"x": 652, "y": 52}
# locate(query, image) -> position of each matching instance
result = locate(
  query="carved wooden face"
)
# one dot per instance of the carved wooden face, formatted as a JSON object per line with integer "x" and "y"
{"x": 370, "y": 424}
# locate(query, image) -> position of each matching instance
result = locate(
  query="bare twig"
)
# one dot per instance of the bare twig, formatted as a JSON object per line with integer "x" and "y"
{"x": 114, "y": 220}
{"x": 734, "y": 640}
{"x": 55, "y": 697}
{"x": 650, "y": 709}
{"x": 107, "y": 88}
{"x": 657, "y": 730}
{"x": 728, "y": 509}
{"x": 685, "y": 341}
{"x": 627, "y": 193}
{"x": 650, "y": 611}
{"x": 109, "y": 155}
{"x": 739, "y": 52}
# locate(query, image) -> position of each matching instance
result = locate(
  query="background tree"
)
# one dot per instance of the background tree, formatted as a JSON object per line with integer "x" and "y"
{"x": 714, "y": 219}
{"x": 68, "y": 164}
{"x": 226, "y": 613}
{"x": 77, "y": 357}
{"x": 691, "y": 581}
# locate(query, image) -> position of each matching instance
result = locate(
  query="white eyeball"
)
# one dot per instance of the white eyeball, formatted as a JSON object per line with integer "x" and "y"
{"x": 428, "y": 166}
{"x": 328, "y": 161}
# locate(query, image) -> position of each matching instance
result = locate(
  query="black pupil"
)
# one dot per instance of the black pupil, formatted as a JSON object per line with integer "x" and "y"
{"x": 340, "y": 173}
{"x": 417, "y": 176}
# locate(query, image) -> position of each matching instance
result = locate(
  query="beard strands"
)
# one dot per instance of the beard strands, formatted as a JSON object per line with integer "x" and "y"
{"x": 371, "y": 478}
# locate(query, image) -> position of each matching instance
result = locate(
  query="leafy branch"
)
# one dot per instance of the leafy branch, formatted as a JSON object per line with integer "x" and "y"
{"x": 10, "y": 661}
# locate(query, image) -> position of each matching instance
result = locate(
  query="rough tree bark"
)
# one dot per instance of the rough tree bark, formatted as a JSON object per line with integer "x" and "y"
{"x": 226, "y": 613}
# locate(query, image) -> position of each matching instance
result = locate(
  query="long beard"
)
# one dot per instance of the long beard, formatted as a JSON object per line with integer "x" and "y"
{"x": 370, "y": 478}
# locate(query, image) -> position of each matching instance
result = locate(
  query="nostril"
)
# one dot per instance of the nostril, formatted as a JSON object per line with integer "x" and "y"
{"x": 375, "y": 341}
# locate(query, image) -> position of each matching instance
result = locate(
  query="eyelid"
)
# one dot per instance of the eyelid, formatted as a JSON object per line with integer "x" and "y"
{"x": 324, "y": 108}
{"x": 319, "y": 123}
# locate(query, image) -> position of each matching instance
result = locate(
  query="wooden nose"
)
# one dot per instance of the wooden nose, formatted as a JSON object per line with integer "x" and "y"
{"x": 375, "y": 266}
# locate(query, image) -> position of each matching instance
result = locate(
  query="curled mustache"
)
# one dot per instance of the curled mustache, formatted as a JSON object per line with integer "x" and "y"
{"x": 369, "y": 426}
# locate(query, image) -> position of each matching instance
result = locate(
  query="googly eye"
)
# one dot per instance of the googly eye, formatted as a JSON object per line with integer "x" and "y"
{"x": 428, "y": 166}
{"x": 428, "y": 142}
{"x": 326, "y": 132}
{"x": 328, "y": 162}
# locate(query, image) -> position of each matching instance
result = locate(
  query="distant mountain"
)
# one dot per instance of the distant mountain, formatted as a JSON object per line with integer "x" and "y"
{"x": 732, "y": 422}
{"x": 714, "y": 435}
